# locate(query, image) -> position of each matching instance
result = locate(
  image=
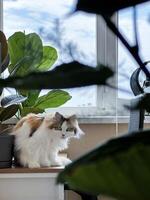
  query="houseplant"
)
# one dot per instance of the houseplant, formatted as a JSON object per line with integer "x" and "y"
{"x": 30, "y": 55}
{"x": 6, "y": 140}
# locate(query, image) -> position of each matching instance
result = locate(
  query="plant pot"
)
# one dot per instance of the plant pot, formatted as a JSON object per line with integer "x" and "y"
{"x": 6, "y": 150}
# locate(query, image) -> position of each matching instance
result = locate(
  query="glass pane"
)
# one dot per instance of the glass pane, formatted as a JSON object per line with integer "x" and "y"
{"x": 126, "y": 63}
{"x": 73, "y": 36}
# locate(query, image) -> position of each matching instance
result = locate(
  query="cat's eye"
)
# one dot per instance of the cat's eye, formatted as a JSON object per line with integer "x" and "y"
{"x": 58, "y": 128}
{"x": 70, "y": 129}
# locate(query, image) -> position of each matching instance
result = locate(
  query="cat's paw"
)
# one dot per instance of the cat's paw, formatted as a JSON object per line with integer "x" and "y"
{"x": 33, "y": 165}
{"x": 46, "y": 163}
{"x": 65, "y": 161}
{"x": 56, "y": 162}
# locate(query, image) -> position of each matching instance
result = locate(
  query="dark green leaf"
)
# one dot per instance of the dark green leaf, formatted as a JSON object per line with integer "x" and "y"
{"x": 68, "y": 75}
{"x": 26, "y": 110}
{"x": 118, "y": 168}
{"x": 49, "y": 58}
{"x": 12, "y": 99}
{"x": 4, "y": 62}
{"x": 8, "y": 112}
{"x": 52, "y": 99}
{"x": 26, "y": 52}
{"x": 106, "y": 7}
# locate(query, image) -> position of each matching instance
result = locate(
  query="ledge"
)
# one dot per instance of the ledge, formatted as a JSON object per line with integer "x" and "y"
{"x": 95, "y": 120}
{"x": 21, "y": 170}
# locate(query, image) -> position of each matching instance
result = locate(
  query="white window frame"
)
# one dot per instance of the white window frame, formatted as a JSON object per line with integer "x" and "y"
{"x": 106, "y": 97}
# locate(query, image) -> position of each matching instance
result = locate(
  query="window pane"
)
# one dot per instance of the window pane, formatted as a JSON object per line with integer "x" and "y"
{"x": 126, "y": 63}
{"x": 74, "y": 36}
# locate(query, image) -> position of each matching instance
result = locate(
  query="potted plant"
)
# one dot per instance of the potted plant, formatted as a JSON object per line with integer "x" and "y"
{"x": 6, "y": 140}
{"x": 30, "y": 56}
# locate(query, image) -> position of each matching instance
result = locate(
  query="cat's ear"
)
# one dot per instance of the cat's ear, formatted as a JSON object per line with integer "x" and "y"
{"x": 58, "y": 116}
{"x": 73, "y": 117}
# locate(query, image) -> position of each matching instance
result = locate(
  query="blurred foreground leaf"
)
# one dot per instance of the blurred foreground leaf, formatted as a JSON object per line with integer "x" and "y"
{"x": 68, "y": 75}
{"x": 119, "y": 168}
{"x": 105, "y": 6}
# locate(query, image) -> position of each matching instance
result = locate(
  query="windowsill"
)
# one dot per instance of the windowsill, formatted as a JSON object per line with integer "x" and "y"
{"x": 89, "y": 120}
{"x": 95, "y": 120}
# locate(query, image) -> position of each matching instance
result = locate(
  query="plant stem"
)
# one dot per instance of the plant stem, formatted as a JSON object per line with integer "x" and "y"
{"x": 131, "y": 49}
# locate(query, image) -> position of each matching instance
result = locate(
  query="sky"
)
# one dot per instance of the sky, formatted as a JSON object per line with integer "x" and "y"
{"x": 80, "y": 30}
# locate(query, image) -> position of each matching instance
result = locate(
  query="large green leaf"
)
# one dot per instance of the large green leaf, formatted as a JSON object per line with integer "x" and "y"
{"x": 8, "y": 112}
{"x": 26, "y": 110}
{"x": 52, "y": 99}
{"x": 32, "y": 96}
{"x": 119, "y": 168}
{"x": 49, "y": 58}
{"x": 26, "y": 52}
{"x": 106, "y": 6}
{"x": 69, "y": 75}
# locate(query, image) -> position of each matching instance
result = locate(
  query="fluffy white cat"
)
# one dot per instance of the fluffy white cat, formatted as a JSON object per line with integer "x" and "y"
{"x": 38, "y": 140}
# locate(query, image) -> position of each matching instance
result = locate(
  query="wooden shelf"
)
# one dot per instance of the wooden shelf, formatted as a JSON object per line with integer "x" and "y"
{"x": 29, "y": 170}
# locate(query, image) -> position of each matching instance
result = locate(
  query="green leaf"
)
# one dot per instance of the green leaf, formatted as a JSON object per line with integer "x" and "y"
{"x": 52, "y": 99}
{"x": 12, "y": 99}
{"x": 26, "y": 52}
{"x": 69, "y": 75}
{"x": 105, "y": 6}
{"x": 32, "y": 96}
{"x": 8, "y": 112}
{"x": 49, "y": 58}
{"x": 4, "y": 49}
{"x": 26, "y": 110}
{"x": 118, "y": 168}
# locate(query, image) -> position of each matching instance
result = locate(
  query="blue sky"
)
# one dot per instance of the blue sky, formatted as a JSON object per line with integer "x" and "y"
{"x": 30, "y": 15}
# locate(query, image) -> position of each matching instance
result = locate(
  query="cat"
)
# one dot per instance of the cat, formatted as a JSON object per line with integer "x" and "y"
{"x": 38, "y": 140}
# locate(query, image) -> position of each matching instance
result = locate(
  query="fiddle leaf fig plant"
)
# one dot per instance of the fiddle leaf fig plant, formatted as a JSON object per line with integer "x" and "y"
{"x": 9, "y": 105}
{"x": 27, "y": 55}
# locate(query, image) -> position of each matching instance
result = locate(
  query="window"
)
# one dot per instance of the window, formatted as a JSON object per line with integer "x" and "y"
{"x": 89, "y": 45}
{"x": 68, "y": 35}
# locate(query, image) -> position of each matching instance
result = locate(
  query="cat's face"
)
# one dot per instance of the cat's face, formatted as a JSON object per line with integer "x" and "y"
{"x": 66, "y": 127}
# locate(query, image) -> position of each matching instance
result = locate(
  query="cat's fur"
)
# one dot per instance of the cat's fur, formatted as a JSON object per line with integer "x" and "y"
{"x": 38, "y": 140}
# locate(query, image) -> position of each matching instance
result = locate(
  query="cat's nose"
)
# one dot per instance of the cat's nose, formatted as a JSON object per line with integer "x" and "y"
{"x": 63, "y": 135}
